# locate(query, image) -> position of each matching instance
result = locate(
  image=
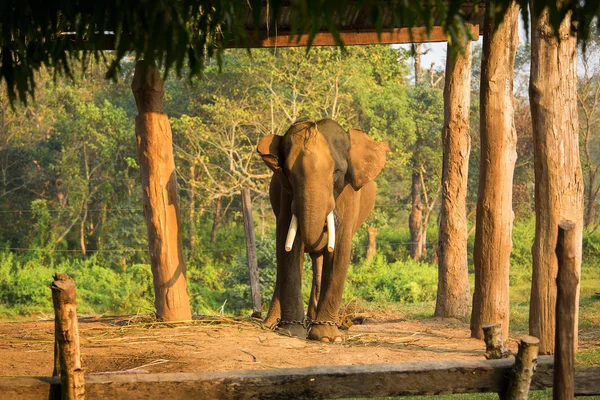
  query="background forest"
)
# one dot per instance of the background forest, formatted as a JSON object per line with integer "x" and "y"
{"x": 71, "y": 200}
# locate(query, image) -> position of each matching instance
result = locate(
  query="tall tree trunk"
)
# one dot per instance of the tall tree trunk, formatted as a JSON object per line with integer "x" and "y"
{"x": 192, "y": 214}
{"x": 591, "y": 202}
{"x": 251, "y": 253}
{"x": 82, "y": 231}
{"x": 429, "y": 204}
{"x": 216, "y": 220}
{"x": 372, "y": 249}
{"x": 161, "y": 198}
{"x": 262, "y": 219}
{"x": 493, "y": 242}
{"x": 453, "y": 283}
{"x": 416, "y": 213}
{"x": 416, "y": 217}
{"x": 558, "y": 177}
{"x": 418, "y": 68}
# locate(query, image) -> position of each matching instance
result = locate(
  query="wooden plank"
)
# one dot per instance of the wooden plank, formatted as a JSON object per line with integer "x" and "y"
{"x": 356, "y": 37}
{"x": 374, "y": 380}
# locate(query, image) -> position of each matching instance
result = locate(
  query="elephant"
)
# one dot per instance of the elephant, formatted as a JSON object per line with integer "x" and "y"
{"x": 321, "y": 192}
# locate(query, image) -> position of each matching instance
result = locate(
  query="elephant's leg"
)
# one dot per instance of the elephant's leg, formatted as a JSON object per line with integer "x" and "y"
{"x": 280, "y": 201}
{"x": 317, "y": 267}
{"x": 335, "y": 267}
{"x": 292, "y": 306}
{"x": 274, "y": 308}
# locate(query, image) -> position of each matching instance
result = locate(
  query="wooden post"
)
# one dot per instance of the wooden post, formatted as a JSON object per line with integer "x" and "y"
{"x": 161, "y": 197}
{"x": 494, "y": 344}
{"x": 523, "y": 370}
{"x": 493, "y": 243}
{"x": 67, "y": 335}
{"x": 453, "y": 275}
{"x": 558, "y": 179}
{"x": 566, "y": 306}
{"x": 251, "y": 254}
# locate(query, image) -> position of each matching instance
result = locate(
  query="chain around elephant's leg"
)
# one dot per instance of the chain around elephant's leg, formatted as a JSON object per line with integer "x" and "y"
{"x": 324, "y": 331}
{"x": 292, "y": 328}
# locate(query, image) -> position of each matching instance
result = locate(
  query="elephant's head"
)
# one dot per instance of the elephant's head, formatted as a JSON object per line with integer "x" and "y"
{"x": 314, "y": 162}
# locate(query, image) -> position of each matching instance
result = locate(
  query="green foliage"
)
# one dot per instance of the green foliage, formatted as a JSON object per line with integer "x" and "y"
{"x": 188, "y": 32}
{"x": 42, "y": 236}
{"x": 400, "y": 282}
{"x": 25, "y": 285}
{"x": 591, "y": 245}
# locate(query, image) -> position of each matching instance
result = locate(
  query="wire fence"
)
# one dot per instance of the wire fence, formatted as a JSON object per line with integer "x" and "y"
{"x": 208, "y": 249}
{"x": 237, "y": 208}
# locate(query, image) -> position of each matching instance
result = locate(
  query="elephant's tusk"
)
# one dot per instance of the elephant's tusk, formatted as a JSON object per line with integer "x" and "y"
{"x": 330, "y": 232}
{"x": 289, "y": 241}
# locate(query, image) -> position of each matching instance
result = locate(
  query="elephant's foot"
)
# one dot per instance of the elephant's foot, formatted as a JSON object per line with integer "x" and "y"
{"x": 297, "y": 330}
{"x": 271, "y": 321}
{"x": 325, "y": 333}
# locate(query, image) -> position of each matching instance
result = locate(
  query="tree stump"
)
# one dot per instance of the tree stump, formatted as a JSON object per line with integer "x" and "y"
{"x": 67, "y": 337}
{"x": 523, "y": 370}
{"x": 494, "y": 344}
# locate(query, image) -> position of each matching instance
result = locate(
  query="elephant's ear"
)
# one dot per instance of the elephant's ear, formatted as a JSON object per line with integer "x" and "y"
{"x": 366, "y": 158}
{"x": 268, "y": 148}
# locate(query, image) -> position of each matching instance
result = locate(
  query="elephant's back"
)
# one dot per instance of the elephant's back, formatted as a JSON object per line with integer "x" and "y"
{"x": 329, "y": 127}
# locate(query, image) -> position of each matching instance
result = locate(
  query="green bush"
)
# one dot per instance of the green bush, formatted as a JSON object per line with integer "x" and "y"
{"x": 25, "y": 285}
{"x": 401, "y": 282}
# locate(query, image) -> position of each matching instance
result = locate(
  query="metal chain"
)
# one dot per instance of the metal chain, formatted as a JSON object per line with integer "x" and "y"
{"x": 305, "y": 322}
{"x": 290, "y": 322}
{"x": 311, "y": 323}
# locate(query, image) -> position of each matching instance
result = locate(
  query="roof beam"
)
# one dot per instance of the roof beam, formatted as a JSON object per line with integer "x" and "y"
{"x": 352, "y": 38}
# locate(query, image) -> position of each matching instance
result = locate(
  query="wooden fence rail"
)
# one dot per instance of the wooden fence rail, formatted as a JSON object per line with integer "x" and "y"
{"x": 374, "y": 380}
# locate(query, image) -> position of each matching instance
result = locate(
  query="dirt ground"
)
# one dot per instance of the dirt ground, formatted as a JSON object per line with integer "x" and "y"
{"x": 223, "y": 344}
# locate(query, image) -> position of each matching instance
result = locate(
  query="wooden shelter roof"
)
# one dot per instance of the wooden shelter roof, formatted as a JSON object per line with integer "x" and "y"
{"x": 355, "y": 28}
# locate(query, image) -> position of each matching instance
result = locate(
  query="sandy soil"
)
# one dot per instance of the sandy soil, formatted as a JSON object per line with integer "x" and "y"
{"x": 214, "y": 344}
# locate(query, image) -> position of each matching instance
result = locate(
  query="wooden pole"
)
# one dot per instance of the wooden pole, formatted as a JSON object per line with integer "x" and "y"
{"x": 453, "y": 275}
{"x": 67, "y": 335}
{"x": 494, "y": 344}
{"x": 160, "y": 194}
{"x": 498, "y": 141}
{"x": 523, "y": 370}
{"x": 559, "y": 182}
{"x": 251, "y": 254}
{"x": 566, "y": 306}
